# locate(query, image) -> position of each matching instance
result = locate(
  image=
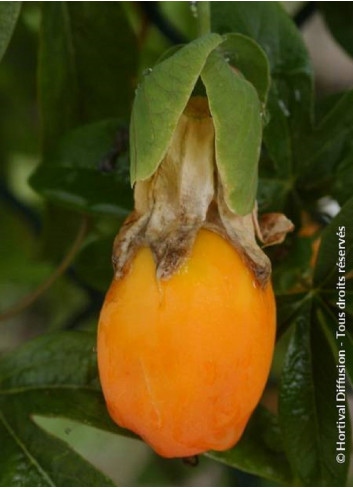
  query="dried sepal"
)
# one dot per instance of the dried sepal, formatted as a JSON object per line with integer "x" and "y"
{"x": 172, "y": 205}
{"x": 184, "y": 194}
{"x": 241, "y": 232}
{"x": 272, "y": 228}
{"x": 127, "y": 241}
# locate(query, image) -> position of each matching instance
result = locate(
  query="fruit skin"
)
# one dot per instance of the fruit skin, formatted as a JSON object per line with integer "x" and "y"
{"x": 184, "y": 362}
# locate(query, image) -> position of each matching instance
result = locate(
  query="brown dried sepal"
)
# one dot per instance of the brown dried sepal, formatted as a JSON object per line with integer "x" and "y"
{"x": 185, "y": 194}
{"x": 272, "y": 228}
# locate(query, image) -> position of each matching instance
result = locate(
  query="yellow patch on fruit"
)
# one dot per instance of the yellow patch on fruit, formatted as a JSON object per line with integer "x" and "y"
{"x": 183, "y": 362}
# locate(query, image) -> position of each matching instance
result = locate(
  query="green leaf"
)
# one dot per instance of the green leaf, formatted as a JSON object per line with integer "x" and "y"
{"x": 290, "y": 98}
{"x": 328, "y": 319}
{"x": 236, "y": 113}
{"x": 335, "y": 245}
{"x": 71, "y": 176}
{"x": 333, "y": 150}
{"x": 32, "y": 457}
{"x": 339, "y": 18}
{"x": 293, "y": 267}
{"x": 318, "y": 148}
{"x": 36, "y": 380}
{"x": 288, "y": 306}
{"x": 249, "y": 58}
{"x": 87, "y": 61}
{"x": 259, "y": 451}
{"x": 270, "y": 26}
{"x": 87, "y": 66}
{"x": 18, "y": 128}
{"x": 28, "y": 271}
{"x": 343, "y": 175}
{"x": 159, "y": 102}
{"x": 308, "y": 412}
{"x": 307, "y": 406}
{"x": 9, "y": 12}
{"x": 325, "y": 273}
{"x": 329, "y": 296}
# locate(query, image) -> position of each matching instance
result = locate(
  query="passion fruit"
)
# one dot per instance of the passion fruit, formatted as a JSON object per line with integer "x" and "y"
{"x": 183, "y": 362}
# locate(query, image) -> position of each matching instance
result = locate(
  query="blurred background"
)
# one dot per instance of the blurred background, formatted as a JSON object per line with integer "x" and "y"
{"x": 34, "y": 244}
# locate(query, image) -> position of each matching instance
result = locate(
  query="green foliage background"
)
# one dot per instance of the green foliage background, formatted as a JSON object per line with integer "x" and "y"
{"x": 67, "y": 82}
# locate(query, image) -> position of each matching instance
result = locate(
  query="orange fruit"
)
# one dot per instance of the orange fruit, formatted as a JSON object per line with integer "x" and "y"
{"x": 183, "y": 362}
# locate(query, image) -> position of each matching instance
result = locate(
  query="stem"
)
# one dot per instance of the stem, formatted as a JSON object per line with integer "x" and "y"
{"x": 203, "y": 18}
{"x": 43, "y": 287}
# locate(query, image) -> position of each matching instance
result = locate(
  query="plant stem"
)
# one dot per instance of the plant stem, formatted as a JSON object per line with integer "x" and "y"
{"x": 203, "y": 18}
